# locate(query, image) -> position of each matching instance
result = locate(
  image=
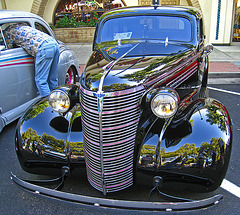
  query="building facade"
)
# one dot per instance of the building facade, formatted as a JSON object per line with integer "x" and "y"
{"x": 221, "y": 17}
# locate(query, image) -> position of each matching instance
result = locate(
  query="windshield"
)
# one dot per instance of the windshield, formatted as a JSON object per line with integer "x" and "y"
{"x": 147, "y": 27}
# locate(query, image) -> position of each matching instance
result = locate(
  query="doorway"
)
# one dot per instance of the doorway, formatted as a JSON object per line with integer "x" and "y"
{"x": 236, "y": 25}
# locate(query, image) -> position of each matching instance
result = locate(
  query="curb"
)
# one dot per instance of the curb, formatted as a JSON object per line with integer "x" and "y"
{"x": 224, "y": 74}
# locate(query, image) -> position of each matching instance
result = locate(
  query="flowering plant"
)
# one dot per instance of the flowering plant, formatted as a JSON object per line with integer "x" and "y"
{"x": 92, "y": 21}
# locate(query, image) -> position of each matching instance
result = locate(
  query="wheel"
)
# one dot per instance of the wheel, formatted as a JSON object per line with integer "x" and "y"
{"x": 70, "y": 76}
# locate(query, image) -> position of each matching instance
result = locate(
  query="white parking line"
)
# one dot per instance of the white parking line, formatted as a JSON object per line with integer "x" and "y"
{"x": 227, "y": 185}
{"x": 230, "y": 187}
{"x": 224, "y": 91}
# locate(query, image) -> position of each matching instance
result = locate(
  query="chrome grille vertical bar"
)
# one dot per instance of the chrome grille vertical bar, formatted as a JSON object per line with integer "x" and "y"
{"x": 100, "y": 108}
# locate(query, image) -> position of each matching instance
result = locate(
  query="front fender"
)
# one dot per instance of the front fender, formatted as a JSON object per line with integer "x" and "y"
{"x": 195, "y": 148}
{"x": 46, "y": 141}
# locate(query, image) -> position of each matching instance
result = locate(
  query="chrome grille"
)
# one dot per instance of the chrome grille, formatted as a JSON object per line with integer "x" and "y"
{"x": 109, "y": 151}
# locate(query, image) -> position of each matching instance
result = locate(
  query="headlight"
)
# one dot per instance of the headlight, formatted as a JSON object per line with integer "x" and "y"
{"x": 59, "y": 101}
{"x": 165, "y": 103}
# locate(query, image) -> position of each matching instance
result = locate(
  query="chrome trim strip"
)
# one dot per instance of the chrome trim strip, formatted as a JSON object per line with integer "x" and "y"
{"x": 118, "y": 185}
{"x": 89, "y": 178}
{"x": 160, "y": 78}
{"x": 112, "y": 94}
{"x": 119, "y": 142}
{"x": 121, "y": 110}
{"x": 99, "y": 173}
{"x": 88, "y": 109}
{"x": 119, "y": 157}
{"x": 96, "y": 158}
{"x": 90, "y": 140}
{"x": 164, "y": 128}
{"x": 122, "y": 170}
{"x": 95, "y": 128}
{"x": 181, "y": 78}
{"x": 122, "y": 126}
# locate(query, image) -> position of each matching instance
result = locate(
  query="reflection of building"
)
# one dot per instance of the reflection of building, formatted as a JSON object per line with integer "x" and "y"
{"x": 84, "y": 9}
{"x": 221, "y": 16}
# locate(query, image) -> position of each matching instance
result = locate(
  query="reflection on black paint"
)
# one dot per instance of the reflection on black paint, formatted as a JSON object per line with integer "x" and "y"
{"x": 173, "y": 153}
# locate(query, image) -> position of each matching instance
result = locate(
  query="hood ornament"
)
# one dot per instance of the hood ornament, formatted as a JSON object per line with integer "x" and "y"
{"x": 119, "y": 42}
{"x": 155, "y": 3}
{"x": 166, "y": 42}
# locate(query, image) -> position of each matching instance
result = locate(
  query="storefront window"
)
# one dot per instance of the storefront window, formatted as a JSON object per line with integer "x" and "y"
{"x": 84, "y": 10}
{"x": 236, "y": 30}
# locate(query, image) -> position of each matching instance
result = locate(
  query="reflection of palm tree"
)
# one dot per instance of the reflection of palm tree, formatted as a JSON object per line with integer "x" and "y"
{"x": 140, "y": 75}
{"x": 56, "y": 145}
{"x": 35, "y": 110}
{"x": 212, "y": 151}
{"x": 189, "y": 152}
{"x": 30, "y": 136}
{"x": 115, "y": 87}
{"x": 216, "y": 117}
{"x": 93, "y": 79}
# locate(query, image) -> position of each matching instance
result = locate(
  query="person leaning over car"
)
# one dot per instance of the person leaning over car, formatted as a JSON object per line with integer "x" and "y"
{"x": 43, "y": 47}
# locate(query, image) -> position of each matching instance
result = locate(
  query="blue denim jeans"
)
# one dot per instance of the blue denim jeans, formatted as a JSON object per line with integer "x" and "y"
{"x": 46, "y": 64}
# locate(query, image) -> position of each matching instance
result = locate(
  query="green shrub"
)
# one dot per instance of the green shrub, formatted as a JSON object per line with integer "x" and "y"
{"x": 65, "y": 22}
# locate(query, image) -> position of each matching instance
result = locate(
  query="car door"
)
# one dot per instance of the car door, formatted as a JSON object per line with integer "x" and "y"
{"x": 17, "y": 77}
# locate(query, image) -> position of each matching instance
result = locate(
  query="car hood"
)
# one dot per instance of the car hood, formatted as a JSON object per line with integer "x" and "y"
{"x": 137, "y": 67}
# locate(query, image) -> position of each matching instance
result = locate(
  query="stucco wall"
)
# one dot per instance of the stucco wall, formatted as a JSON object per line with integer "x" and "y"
{"x": 221, "y": 23}
{"x": 50, "y": 9}
{"x": 22, "y": 5}
{"x": 206, "y": 7}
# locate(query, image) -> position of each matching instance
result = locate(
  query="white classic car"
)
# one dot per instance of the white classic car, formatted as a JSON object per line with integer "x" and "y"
{"x": 18, "y": 89}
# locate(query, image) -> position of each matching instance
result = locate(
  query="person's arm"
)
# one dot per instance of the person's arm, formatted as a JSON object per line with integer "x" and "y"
{"x": 7, "y": 34}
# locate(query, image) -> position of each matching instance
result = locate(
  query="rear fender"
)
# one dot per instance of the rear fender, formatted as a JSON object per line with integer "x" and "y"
{"x": 195, "y": 148}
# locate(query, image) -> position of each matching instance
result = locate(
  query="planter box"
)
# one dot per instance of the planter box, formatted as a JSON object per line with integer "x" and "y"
{"x": 75, "y": 35}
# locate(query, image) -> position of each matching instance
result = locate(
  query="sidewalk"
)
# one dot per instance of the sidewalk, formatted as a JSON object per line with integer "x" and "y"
{"x": 224, "y": 60}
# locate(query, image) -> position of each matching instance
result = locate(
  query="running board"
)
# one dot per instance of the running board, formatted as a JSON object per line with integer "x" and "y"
{"x": 120, "y": 204}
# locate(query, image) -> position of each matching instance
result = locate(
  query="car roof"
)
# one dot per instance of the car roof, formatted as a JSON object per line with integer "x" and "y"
{"x": 142, "y": 10}
{"x": 6, "y": 14}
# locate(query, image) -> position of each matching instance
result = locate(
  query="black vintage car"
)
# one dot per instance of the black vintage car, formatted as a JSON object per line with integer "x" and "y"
{"x": 141, "y": 113}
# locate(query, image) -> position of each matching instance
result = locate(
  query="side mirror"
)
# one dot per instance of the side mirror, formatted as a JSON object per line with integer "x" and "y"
{"x": 208, "y": 48}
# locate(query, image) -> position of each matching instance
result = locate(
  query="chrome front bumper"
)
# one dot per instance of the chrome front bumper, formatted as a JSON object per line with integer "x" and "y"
{"x": 118, "y": 204}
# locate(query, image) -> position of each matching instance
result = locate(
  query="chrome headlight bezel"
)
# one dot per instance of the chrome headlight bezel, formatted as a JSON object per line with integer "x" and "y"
{"x": 164, "y": 104}
{"x": 59, "y": 101}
